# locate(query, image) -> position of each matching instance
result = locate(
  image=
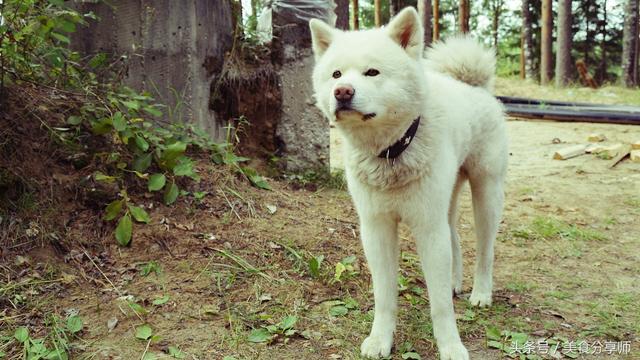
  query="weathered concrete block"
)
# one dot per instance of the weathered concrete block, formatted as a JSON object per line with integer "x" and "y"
{"x": 303, "y": 131}
{"x": 172, "y": 49}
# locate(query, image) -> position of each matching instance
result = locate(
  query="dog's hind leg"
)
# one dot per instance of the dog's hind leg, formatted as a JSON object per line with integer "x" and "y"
{"x": 380, "y": 242}
{"x": 488, "y": 197}
{"x": 456, "y": 251}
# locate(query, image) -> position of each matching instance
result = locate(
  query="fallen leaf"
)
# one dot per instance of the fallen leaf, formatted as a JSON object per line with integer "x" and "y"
{"x": 112, "y": 323}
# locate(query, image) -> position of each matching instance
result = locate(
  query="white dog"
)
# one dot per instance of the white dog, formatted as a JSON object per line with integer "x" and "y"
{"x": 415, "y": 130}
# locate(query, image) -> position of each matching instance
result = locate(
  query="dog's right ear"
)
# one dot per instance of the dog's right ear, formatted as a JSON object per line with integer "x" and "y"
{"x": 321, "y": 36}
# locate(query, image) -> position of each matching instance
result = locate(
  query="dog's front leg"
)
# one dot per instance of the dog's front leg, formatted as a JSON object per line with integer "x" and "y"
{"x": 379, "y": 239}
{"x": 435, "y": 252}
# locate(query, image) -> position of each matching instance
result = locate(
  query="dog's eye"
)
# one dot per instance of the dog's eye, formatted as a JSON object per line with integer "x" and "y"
{"x": 372, "y": 72}
{"x": 336, "y": 74}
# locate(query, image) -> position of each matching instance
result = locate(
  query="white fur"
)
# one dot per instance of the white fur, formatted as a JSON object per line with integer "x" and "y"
{"x": 461, "y": 136}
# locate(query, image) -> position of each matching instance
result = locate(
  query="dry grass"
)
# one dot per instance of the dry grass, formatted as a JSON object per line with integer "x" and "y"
{"x": 608, "y": 94}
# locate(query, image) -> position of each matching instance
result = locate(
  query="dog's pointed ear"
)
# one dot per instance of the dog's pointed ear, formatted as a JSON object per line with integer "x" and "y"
{"x": 321, "y": 36}
{"x": 406, "y": 29}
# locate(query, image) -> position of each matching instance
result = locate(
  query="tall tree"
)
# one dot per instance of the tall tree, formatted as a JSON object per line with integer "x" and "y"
{"x": 424, "y": 9}
{"x": 630, "y": 44}
{"x": 376, "y": 12}
{"x": 356, "y": 15}
{"x": 463, "y": 16}
{"x": 602, "y": 73}
{"x": 565, "y": 37}
{"x": 342, "y": 14}
{"x": 496, "y": 7}
{"x": 546, "y": 56}
{"x": 436, "y": 20}
{"x": 394, "y": 7}
{"x": 527, "y": 56}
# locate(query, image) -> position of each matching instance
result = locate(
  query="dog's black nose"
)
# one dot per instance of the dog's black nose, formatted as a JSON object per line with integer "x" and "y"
{"x": 344, "y": 93}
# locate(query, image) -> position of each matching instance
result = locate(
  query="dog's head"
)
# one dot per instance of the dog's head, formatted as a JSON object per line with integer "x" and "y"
{"x": 369, "y": 77}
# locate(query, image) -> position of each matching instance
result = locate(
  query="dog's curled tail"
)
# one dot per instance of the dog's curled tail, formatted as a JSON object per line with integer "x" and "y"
{"x": 465, "y": 59}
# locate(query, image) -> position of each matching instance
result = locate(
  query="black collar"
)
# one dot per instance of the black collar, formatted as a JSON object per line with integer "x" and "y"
{"x": 401, "y": 145}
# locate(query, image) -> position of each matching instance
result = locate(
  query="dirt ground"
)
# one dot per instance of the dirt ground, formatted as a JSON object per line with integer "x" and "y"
{"x": 252, "y": 274}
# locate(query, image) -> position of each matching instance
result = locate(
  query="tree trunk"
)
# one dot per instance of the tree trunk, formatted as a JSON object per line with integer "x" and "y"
{"x": 563, "y": 50}
{"x": 424, "y": 9}
{"x": 342, "y": 14}
{"x": 630, "y": 44}
{"x": 528, "y": 57}
{"x": 394, "y": 7}
{"x": 356, "y": 15}
{"x": 603, "y": 46}
{"x": 463, "y": 16}
{"x": 497, "y": 11}
{"x": 376, "y": 12}
{"x": 587, "y": 38}
{"x": 436, "y": 20}
{"x": 546, "y": 56}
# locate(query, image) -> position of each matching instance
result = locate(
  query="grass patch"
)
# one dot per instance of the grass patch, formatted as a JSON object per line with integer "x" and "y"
{"x": 551, "y": 228}
{"x": 607, "y": 94}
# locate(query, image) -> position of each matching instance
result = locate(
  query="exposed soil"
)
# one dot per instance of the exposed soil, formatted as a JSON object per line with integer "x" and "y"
{"x": 567, "y": 265}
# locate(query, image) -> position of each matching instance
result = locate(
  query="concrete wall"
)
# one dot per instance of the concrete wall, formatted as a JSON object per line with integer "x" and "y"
{"x": 303, "y": 131}
{"x": 171, "y": 48}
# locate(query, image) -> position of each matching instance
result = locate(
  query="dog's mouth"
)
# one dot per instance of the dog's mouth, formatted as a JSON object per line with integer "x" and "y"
{"x": 342, "y": 111}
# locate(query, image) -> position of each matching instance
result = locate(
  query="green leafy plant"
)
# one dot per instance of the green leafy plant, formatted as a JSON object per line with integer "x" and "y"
{"x": 55, "y": 345}
{"x": 151, "y": 267}
{"x": 345, "y": 269}
{"x": 284, "y": 329}
{"x": 137, "y": 152}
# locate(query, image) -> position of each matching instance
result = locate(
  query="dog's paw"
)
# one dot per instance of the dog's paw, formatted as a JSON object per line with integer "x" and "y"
{"x": 480, "y": 299}
{"x": 376, "y": 346}
{"x": 455, "y": 351}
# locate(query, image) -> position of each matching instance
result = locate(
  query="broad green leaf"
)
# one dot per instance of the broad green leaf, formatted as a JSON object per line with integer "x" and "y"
{"x": 56, "y": 354}
{"x": 74, "y": 120}
{"x": 123, "y": 230}
{"x": 144, "y": 332}
{"x": 142, "y": 163}
{"x": 152, "y": 111}
{"x": 171, "y": 193}
{"x": 61, "y": 38}
{"x": 339, "y": 310}
{"x": 101, "y": 126}
{"x": 229, "y": 358}
{"x": 119, "y": 122}
{"x": 259, "y": 336}
{"x": 314, "y": 265}
{"x": 141, "y": 143}
{"x": 98, "y": 176}
{"x": 67, "y": 26}
{"x": 139, "y": 214}
{"x": 161, "y": 301}
{"x": 173, "y": 151}
{"x": 113, "y": 209}
{"x": 21, "y": 334}
{"x": 340, "y": 269}
{"x": 132, "y": 105}
{"x": 411, "y": 355}
{"x": 255, "y": 179}
{"x": 176, "y": 353}
{"x": 149, "y": 356}
{"x": 137, "y": 308}
{"x": 156, "y": 182}
{"x": 74, "y": 324}
{"x": 288, "y": 322}
{"x": 493, "y": 333}
{"x": 184, "y": 168}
